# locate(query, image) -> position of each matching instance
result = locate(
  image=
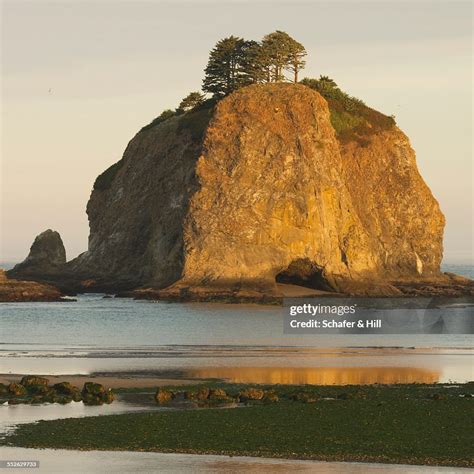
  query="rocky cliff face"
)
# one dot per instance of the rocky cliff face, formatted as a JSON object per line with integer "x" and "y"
{"x": 137, "y": 210}
{"x": 268, "y": 192}
{"x": 262, "y": 189}
{"x": 395, "y": 206}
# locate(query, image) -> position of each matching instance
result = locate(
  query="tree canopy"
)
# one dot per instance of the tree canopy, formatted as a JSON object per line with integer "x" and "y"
{"x": 235, "y": 62}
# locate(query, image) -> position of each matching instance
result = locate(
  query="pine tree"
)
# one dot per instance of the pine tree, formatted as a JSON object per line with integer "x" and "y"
{"x": 276, "y": 47}
{"x": 223, "y": 73}
{"x": 254, "y": 63}
{"x": 296, "y": 53}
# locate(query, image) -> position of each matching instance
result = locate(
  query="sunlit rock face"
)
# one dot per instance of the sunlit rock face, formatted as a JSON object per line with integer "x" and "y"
{"x": 261, "y": 189}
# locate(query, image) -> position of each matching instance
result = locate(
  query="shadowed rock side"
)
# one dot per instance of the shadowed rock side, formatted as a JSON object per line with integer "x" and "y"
{"x": 47, "y": 255}
{"x": 224, "y": 202}
{"x": 136, "y": 214}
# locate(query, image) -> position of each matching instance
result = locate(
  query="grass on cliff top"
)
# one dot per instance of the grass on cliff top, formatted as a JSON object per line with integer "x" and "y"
{"x": 393, "y": 424}
{"x": 352, "y": 119}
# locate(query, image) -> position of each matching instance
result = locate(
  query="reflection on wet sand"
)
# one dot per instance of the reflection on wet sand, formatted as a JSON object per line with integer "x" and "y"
{"x": 319, "y": 375}
{"x": 124, "y": 462}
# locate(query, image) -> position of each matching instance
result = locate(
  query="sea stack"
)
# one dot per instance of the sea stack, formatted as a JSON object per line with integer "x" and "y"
{"x": 272, "y": 183}
{"x": 47, "y": 255}
{"x": 262, "y": 187}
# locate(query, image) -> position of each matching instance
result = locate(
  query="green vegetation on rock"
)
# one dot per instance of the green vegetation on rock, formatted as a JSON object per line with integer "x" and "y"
{"x": 235, "y": 63}
{"x": 351, "y": 118}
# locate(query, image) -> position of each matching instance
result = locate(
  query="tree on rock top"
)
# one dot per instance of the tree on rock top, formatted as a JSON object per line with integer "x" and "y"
{"x": 224, "y": 70}
{"x": 282, "y": 52}
{"x": 235, "y": 62}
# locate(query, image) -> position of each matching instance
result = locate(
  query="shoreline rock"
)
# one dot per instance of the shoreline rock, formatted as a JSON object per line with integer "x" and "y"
{"x": 22, "y": 291}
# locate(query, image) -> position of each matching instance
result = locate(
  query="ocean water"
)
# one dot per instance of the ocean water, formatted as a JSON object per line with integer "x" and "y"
{"x": 234, "y": 342}
{"x": 466, "y": 270}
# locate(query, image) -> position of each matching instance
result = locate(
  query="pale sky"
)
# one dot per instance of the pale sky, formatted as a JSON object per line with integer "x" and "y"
{"x": 80, "y": 78}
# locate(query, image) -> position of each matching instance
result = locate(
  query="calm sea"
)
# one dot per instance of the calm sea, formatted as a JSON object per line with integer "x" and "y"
{"x": 235, "y": 342}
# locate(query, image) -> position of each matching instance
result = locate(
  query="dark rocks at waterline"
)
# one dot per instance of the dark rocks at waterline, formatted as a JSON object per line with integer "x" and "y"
{"x": 205, "y": 396}
{"x": 270, "y": 397}
{"x": 68, "y": 390}
{"x": 251, "y": 394}
{"x": 35, "y": 390}
{"x": 218, "y": 394}
{"x": 16, "y": 389}
{"x": 163, "y": 396}
{"x": 96, "y": 394}
{"x": 29, "y": 380}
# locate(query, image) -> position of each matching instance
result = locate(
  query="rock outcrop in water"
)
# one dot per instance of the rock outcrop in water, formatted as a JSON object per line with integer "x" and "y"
{"x": 47, "y": 255}
{"x": 265, "y": 187}
{"x": 13, "y": 291}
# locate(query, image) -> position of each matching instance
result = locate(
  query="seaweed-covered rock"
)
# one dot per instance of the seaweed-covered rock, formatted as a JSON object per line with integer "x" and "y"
{"x": 91, "y": 388}
{"x": 29, "y": 380}
{"x": 69, "y": 390}
{"x": 89, "y": 399}
{"x": 38, "y": 389}
{"x": 65, "y": 388}
{"x": 63, "y": 399}
{"x": 270, "y": 397}
{"x": 108, "y": 396}
{"x": 251, "y": 394}
{"x": 190, "y": 395}
{"x": 96, "y": 394}
{"x": 203, "y": 393}
{"x": 17, "y": 389}
{"x": 163, "y": 396}
{"x": 217, "y": 394}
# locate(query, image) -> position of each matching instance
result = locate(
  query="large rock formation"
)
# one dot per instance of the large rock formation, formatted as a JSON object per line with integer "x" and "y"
{"x": 47, "y": 255}
{"x": 227, "y": 201}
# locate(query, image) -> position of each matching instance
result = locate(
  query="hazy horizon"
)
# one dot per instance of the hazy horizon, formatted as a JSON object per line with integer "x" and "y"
{"x": 80, "y": 78}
